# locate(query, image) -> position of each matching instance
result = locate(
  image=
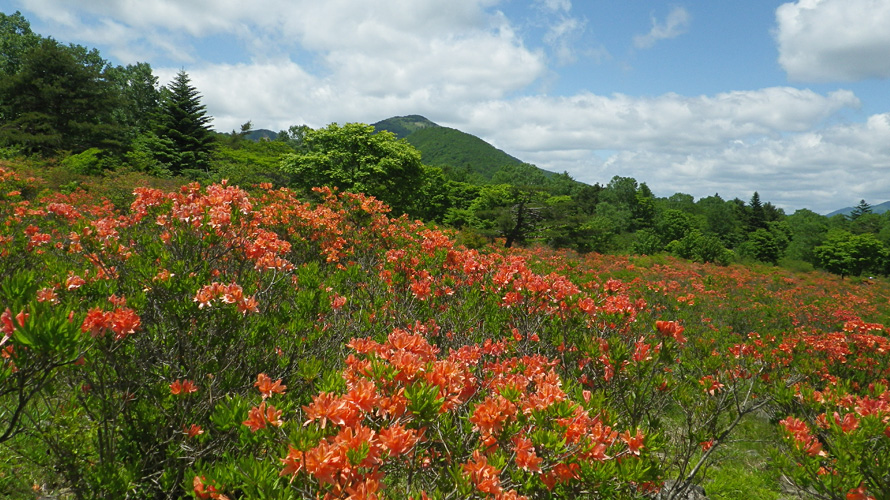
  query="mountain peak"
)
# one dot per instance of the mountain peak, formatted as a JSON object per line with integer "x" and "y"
{"x": 403, "y": 126}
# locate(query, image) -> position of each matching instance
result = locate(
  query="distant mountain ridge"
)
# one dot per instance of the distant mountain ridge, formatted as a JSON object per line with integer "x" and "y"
{"x": 449, "y": 148}
{"x": 260, "y": 134}
{"x": 875, "y": 209}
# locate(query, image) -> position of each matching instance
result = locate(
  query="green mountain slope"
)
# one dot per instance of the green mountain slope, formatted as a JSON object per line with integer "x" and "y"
{"x": 403, "y": 126}
{"x": 458, "y": 153}
{"x": 447, "y": 147}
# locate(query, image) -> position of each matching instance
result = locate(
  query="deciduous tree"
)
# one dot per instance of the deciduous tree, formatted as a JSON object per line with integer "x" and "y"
{"x": 57, "y": 102}
{"x": 353, "y": 157}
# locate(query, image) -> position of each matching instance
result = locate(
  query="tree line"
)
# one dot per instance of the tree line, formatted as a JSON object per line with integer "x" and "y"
{"x": 58, "y": 99}
{"x": 67, "y": 102}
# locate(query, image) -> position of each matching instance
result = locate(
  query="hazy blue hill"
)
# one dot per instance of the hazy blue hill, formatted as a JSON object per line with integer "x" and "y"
{"x": 256, "y": 135}
{"x": 875, "y": 209}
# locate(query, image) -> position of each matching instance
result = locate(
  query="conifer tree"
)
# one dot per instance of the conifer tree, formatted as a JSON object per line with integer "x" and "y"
{"x": 185, "y": 136}
{"x": 861, "y": 209}
{"x": 756, "y": 214}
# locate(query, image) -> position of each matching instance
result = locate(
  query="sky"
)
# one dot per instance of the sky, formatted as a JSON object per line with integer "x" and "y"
{"x": 789, "y": 99}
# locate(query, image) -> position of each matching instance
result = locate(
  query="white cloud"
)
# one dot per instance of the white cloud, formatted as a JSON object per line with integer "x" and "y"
{"x": 669, "y": 122}
{"x": 361, "y": 56}
{"x": 561, "y": 36}
{"x": 834, "y": 40}
{"x": 676, "y": 23}
{"x": 556, "y": 5}
{"x": 775, "y": 141}
{"x": 466, "y": 65}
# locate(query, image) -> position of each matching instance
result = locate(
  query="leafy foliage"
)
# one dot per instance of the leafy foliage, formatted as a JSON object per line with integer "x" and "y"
{"x": 354, "y": 158}
{"x": 55, "y": 102}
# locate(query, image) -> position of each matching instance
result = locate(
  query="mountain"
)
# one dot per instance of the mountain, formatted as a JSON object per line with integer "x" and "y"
{"x": 256, "y": 135}
{"x": 459, "y": 154}
{"x": 875, "y": 209}
{"x": 403, "y": 126}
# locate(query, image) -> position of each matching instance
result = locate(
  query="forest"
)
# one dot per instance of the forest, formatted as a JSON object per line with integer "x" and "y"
{"x": 318, "y": 313}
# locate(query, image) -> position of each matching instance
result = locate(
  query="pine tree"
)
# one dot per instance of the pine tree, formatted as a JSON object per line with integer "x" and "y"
{"x": 861, "y": 209}
{"x": 185, "y": 137}
{"x": 756, "y": 214}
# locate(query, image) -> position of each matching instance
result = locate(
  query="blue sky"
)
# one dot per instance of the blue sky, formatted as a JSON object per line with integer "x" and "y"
{"x": 790, "y": 99}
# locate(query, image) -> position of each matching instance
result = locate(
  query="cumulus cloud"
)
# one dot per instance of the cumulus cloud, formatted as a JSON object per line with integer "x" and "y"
{"x": 834, "y": 40}
{"x": 777, "y": 141}
{"x": 363, "y": 55}
{"x": 676, "y": 23}
{"x": 464, "y": 64}
{"x": 669, "y": 122}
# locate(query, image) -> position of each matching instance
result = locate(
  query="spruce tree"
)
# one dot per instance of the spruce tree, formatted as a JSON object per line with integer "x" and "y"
{"x": 756, "y": 214}
{"x": 861, "y": 209}
{"x": 186, "y": 140}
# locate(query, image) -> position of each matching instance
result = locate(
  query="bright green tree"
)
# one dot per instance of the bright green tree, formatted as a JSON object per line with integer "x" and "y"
{"x": 185, "y": 138}
{"x": 353, "y": 157}
{"x": 140, "y": 97}
{"x": 808, "y": 231}
{"x": 673, "y": 225}
{"x": 16, "y": 38}
{"x": 850, "y": 254}
{"x": 763, "y": 245}
{"x": 722, "y": 219}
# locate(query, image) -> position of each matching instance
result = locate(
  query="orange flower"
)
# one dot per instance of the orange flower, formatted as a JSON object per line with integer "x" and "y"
{"x": 671, "y": 328}
{"x": 525, "y": 454}
{"x": 257, "y": 417}
{"x": 329, "y": 407}
{"x": 267, "y": 387}
{"x": 193, "y": 430}
{"x": 859, "y": 493}
{"x": 204, "y": 297}
{"x": 47, "y": 295}
{"x": 183, "y": 387}
{"x": 634, "y": 443}
{"x": 124, "y": 321}
{"x": 293, "y": 463}
{"x": 484, "y": 476}
{"x": 491, "y": 414}
{"x": 325, "y": 462}
{"x": 363, "y": 395}
{"x": 206, "y": 491}
{"x": 248, "y": 305}
{"x": 587, "y": 305}
{"x": 711, "y": 384}
{"x": 398, "y": 440}
{"x": 848, "y": 424}
{"x": 96, "y": 322}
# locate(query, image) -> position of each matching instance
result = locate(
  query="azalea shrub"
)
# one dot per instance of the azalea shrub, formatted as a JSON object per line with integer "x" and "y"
{"x": 227, "y": 342}
{"x": 409, "y": 421}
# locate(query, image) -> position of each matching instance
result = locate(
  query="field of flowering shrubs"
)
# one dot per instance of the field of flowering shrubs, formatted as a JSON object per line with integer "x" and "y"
{"x": 216, "y": 342}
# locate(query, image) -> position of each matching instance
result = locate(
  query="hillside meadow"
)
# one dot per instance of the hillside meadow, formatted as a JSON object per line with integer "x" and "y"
{"x": 226, "y": 342}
